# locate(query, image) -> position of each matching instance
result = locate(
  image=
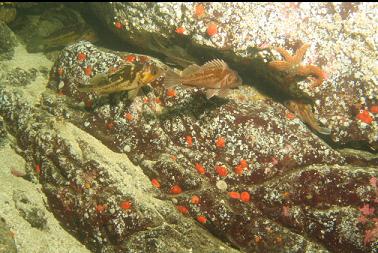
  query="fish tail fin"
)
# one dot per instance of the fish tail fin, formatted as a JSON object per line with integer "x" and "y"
{"x": 319, "y": 129}
{"x": 324, "y": 130}
{"x": 171, "y": 79}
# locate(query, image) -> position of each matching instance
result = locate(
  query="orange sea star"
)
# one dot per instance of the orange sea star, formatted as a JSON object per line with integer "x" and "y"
{"x": 291, "y": 65}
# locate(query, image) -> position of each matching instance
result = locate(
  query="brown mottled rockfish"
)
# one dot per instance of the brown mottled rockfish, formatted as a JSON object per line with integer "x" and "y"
{"x": 129, "y": 77}
{"x": 214, "y": 75}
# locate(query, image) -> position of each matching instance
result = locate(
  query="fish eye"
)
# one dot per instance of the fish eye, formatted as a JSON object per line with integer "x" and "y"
{"x": 231, "y": 77}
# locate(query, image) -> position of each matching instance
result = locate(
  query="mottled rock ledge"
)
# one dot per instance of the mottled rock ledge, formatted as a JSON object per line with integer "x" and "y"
{"x": 342, "y": 36}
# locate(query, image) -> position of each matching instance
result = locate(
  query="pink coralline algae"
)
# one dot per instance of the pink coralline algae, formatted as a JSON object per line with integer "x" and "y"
{"x": 371, "y": 234}
{"x": 367, "y": 210}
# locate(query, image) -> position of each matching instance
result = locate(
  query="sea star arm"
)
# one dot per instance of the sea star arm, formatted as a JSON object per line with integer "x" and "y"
{"x": 280, "y": 65}
{"x": 315, "y": 71}
{"x": 299, "y": 54}
{"x": 284, "y": 53}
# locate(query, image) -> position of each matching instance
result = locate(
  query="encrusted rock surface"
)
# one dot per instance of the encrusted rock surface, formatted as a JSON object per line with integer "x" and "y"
{"x": 89, "y": 188}
{"x": 204, "y": 172}
{"x": 7, "y": 12}
{"x": 51, "y": 27}
{"x": 7, "y": 42}
{"x": 19, "y": 77}
{"x": 342, "y": 36}
{"x": 6, "y": 239}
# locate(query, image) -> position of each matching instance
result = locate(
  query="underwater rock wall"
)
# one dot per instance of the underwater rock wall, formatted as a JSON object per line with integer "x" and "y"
{"x": 202, "y": 171}
{"x": 342, "y": 37}
{"x": 171, "y": 171}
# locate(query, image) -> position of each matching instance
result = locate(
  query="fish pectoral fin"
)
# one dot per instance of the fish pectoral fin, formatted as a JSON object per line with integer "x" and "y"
{"x": 171, "y": 79}
{"x": 223, "y": 93}
{"x": 133, "y": 93}
{"x": 211, "y": 93}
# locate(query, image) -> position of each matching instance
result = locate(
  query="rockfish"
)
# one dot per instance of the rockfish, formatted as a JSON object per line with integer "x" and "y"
{"x": 214, "y": 75}
{"x": 129, "y": 77}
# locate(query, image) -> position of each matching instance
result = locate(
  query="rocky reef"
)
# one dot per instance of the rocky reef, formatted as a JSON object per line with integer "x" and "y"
{"x": 342, "y": 38}
{"x": 172, "y": 171}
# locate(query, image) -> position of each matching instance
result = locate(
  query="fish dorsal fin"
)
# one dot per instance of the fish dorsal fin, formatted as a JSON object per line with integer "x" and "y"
{"x": 216, "y": 63}
{"x": 190, "y": 70}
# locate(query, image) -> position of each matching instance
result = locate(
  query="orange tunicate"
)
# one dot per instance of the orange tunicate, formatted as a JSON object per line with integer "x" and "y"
{"x": 100, "y": 208}
{"x": 374, "y": 109}
{"x": 171, "y": 93}
{"x": 195, "y": 199}
{"x": 126, "y": 205}
{"x": 182, "y": 209}
{"x": 201, "y": 219}
{"x": 238, "y": 169}
{"x": 180, "y": 30}
{"x": 212, "y": 29}
{"x": 245, "y": 197}
{"x": 189, "y": 140}
{"x": 290, "y": 115}
{"x": 38, "y": 169}
{"x": 365, "y": 117}
{"x": 155, "y": 183}
{"x": 221, "y": 170}
{"x": 200, "y": 168}
{"x": 81, "y": 56}
{"x": 199, "y": 10}
{"x": 220, "y": 142}
{"x": 118, "y": 25}
{"x": 234, "y": 195}
{"x": 88, "y": 70}
{"x": 128, "y": 116}
{"x": 176, "y": 189}
{"x": 243, "y": 163}
{"x": 130, "y": 58}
